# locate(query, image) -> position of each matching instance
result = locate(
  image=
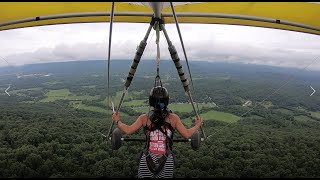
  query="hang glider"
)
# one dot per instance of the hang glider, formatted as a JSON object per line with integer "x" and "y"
{"x": 293, "y": 16}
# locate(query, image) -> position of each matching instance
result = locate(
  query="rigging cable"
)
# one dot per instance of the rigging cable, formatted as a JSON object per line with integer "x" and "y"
{"x": 109, "y": 53}
{"x": 185, "y": 54}
{"x": 184, "y": 50}
{"x": 157, "y": 29}
{"x": 269, "y": 95}
{"x": 63, "y": 108}
{"x": 140, "y": 49}
{"x": 288, "y": 80}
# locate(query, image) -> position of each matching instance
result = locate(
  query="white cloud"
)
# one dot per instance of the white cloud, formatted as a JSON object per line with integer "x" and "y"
{"x": 229, "y": 43}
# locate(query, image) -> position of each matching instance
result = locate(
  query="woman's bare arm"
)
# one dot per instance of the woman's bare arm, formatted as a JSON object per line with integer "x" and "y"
{"x": 186, "y": 133}
{"x": 133, "y": 127}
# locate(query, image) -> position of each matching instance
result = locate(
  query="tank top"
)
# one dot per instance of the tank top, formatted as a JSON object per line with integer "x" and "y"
{"x": 158, "y": 140}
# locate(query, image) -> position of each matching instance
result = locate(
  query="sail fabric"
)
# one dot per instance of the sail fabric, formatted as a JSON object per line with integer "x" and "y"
{"x": 293, "y": 16}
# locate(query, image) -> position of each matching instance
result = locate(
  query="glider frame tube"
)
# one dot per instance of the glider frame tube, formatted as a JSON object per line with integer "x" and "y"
{"x": 147, "y": 14}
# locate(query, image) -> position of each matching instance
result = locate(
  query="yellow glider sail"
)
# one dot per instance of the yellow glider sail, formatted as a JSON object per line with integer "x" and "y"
{"x": 294, "y": 16}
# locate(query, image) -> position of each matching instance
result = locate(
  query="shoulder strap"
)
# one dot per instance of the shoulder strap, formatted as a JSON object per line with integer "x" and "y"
{"x": 149, "y": 115}
{"x": 169, "y": 139}
{"x": 152, "y": 128}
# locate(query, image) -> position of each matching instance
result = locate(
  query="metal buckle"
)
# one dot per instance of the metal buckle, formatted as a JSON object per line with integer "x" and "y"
{"x": 148, "y": 154}
{"x": 165, "y": 154}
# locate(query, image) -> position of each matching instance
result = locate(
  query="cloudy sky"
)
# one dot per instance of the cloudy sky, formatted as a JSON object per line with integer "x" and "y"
{"x": 228, "y": 43}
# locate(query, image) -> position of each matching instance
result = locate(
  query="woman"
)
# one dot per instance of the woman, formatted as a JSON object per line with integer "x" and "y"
{"x": 157, "y": 158}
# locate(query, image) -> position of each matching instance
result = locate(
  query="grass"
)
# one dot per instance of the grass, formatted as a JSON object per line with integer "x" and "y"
{"x": 301, "y": 108}
{"x": 129, "y": 95}
{"x": 29, "y": 102}
{"x": 135, "y": 103}
{"x": 223, "y": 78}
{"x": 267, "y": 104}
{"x": 24, "y": 90}
{"x": 98, "y": 109}
{"x": 52, "y": 83}
{"x": 90, "y": 87}
{"x": 21, "y": 92}
{"x": 180, "y": 107}
{"x": 95, "y": 75}
{"x": 256, "y": 117}
{"x": 213, "y": 115}
{"x": 284, "y": 111}
{"x": 53, "y": 95}
{"x": 91, "y": 108}
{"x": 176, "y": 108}
{"x": 60, "y": 92}
{"x": 187, "y": 122}
{"x": 89, "y": 98}
{"x": 221, "y": 116}
{"x": 315, "y": 114}
{"x": 186, "y": 107}
{"x": 142, "y": 109}
{"x": 303, "y": 118}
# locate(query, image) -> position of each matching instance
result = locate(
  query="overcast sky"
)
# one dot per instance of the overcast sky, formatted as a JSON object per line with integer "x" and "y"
{"x": 228, "y": 43}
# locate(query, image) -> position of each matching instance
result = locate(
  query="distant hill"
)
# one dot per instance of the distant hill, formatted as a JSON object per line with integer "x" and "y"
{"x": 166, "y": 66}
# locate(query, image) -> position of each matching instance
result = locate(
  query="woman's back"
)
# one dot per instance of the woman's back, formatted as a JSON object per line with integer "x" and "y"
{"x": 159, "y": 134}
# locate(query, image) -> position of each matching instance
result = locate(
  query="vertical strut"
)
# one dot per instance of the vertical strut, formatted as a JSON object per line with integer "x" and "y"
{"x": 109, "y": 52}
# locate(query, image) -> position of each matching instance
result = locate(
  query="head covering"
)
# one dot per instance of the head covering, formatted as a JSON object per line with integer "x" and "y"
{"x": 159, "y": 97}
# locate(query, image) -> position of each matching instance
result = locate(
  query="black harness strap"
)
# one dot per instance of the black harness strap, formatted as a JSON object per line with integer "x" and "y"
{"x": 155, "y": 169}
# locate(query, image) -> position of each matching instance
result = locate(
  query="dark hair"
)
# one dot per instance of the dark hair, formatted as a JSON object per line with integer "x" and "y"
{"x": 159, "y": 97}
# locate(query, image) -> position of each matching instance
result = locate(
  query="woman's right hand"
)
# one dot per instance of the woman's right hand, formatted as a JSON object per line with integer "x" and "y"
{"x": 198, "y": 121}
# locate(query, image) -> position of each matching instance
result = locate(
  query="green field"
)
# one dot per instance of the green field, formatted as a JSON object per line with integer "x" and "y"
{"x": 221, "y": 116}
{"x": 52, "y": 83}
{"x": 78, "y": 98}
{"x": 187, "y": 122}
{"x": 65, "y": 94}
{"x": 129, "y": 96}
{"x": 303, "y": 118}
{"x": 301, "y": 108}
{"x": 98, "y": 109}
{"x": 267, "y": 104}
{"x": 135, "y": 103}
{"x": 142, "y": 109}
{"x": 176, "y": 108}
{"x": 60, "y": 92}
{"x": 223, "y": 77}
{"x": 256, "y": 117}
{"x": 21, "y": 92}
{"x": 315, "y": 114}
{"x": 29, "y": 102}
{"x": 216, "y": 115}
{"x": 95, "y": 75}
{"x": 187, "y": 107}
{"x": 24, "y": 90}
{"x": 91, "y": 108}
{"x": 284, "y": 111}
{"x": 53, "y": 95}
{"x": 90, "y": 87}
